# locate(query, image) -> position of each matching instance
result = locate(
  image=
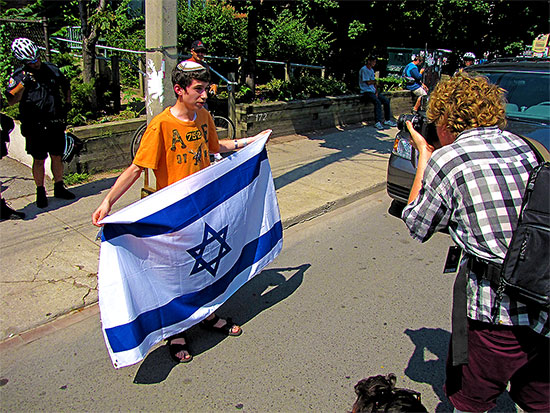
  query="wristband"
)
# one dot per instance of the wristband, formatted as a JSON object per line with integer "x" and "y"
{"x": 236, "y": 144}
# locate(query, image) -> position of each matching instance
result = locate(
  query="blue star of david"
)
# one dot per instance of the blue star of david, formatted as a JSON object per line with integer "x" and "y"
{"x": 209, "y": 236}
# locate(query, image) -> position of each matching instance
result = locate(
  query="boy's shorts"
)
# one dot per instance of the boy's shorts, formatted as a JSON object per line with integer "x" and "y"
{"x": 498, "y": 355}
{"x": 420, "y": 92}
{"x": 44, "y": 138}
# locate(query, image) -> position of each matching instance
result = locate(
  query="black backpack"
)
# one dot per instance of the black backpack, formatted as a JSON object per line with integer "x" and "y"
{"x": 525, "y": 271}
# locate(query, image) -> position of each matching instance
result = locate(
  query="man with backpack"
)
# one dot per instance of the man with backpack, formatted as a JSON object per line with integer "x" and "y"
{"x": 474, "y": 186}
{"x": 44, "y": 96}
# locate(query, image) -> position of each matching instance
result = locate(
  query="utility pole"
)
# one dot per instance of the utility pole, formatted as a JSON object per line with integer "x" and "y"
{"x": 161, "y": 56}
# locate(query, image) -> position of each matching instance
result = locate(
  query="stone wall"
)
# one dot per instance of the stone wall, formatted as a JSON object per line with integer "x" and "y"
{"x": 286, "y": 118}
{"x": 106, "y": 145}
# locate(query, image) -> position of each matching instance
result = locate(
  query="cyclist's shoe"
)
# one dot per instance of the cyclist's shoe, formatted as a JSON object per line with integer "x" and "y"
{"x": 41, "y": 198}
{"x": 59, "y": 191}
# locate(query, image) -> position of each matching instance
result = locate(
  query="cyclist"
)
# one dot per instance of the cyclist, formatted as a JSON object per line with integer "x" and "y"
{"x": 469, "y": 59}
{"x": 44, "y": 95}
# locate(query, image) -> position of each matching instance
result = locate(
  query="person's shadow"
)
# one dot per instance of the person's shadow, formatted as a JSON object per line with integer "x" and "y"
{"x": 244, "y": 305}
{"x": 431, "y": 369}
{"x": 31, "y": 211}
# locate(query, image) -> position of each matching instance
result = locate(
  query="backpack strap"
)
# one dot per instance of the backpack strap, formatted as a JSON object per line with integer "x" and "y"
{"x": 459, "y": 321}
{"x": 540, "y": 150}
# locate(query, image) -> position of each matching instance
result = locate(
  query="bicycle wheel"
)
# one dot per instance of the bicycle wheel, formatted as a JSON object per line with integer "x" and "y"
{"x": 136, "y": 140}
{"x": 225, "y": 127}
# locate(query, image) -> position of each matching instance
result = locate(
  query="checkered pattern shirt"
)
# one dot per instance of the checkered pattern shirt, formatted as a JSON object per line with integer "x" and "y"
{"x": 475, "y": 187}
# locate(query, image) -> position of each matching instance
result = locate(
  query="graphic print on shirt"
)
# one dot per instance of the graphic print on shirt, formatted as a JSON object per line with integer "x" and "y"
{"x": 176, "y": 138}
{"x": 197, "y": 156}
{"x": 204, "y": 127}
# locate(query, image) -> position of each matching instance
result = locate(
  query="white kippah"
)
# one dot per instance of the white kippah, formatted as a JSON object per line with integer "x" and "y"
{"x": 188, "y": 66}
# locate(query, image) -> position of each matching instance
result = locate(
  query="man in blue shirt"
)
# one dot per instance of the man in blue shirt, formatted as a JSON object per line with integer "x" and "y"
{"x": 367, "y": 85}
{"x": 413, "y": 77}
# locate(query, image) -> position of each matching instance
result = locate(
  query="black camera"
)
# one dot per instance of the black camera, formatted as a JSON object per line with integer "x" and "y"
{"x": 421, "y": 125}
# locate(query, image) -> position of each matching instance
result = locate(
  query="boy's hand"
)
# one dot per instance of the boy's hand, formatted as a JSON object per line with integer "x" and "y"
{"x": 101, "y": 212}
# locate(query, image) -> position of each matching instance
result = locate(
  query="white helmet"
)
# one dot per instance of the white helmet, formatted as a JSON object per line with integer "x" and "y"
{"x": 469, "y": 56}
{"x": 24, "y": 49}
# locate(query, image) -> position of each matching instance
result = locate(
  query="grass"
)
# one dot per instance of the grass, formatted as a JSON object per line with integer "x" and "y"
{"x": 75, "y": 178}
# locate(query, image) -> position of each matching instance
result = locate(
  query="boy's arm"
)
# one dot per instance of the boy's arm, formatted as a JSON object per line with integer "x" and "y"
{"x": 122, "y": 184}
{"x": 228, "y": 145}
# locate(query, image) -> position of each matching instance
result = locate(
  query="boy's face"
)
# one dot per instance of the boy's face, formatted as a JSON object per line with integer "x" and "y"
{"x": 195, "y": 95}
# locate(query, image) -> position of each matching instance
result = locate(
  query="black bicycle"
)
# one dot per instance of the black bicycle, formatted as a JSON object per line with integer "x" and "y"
{"x": 224, "y": 127}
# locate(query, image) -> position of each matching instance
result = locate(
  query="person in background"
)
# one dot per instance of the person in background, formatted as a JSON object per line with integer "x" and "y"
{"x": 6, "y": 126}
{"x": 44, "y": 96}
{"x": 413, "y": 80}
{"x": 369, "y": 92}
{"x": 469, "y": 59}
{"x": 198, "y": 51}
{"x": 176, "y": 144}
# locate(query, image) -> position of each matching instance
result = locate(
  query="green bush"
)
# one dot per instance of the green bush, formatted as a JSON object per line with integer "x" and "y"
{"x": 81, "y": 102}
{"x": 304, "y": 87}
{"x": 388, "y": 84}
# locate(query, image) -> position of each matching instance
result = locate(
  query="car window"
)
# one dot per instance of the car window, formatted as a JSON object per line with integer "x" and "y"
{"x": 527, "y": 94}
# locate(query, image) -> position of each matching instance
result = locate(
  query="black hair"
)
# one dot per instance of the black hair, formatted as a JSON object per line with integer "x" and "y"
{"x": 184, "y": 79}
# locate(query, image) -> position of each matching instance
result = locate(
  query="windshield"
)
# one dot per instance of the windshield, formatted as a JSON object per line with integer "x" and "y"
{"x": 528, "y": 94}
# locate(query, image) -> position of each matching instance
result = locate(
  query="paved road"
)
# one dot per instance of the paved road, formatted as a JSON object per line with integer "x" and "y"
{"x": 350, "y": 296}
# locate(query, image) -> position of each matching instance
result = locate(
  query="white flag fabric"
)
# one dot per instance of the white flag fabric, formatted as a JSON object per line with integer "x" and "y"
{"x": 172, "y": 258}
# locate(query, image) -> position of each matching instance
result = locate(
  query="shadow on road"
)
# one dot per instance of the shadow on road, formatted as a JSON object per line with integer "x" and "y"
{"x": 261, "y": 292}
{"x": 434, "y": 343}
{"x": 31, "y": 211}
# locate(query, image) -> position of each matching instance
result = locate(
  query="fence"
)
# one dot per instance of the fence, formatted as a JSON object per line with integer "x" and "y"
{"x": 36, "y": 30}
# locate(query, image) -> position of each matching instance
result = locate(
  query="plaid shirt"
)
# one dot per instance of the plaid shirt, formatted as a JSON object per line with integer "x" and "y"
{"x": 475, "y": 187}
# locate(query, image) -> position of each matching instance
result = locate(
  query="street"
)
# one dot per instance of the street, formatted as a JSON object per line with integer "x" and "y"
{"x": 350, "y": 296}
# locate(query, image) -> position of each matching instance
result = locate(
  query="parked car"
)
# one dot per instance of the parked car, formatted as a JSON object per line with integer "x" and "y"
{"x": 527, "y": 114}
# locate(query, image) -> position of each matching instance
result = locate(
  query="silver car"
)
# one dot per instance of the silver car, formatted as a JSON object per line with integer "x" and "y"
{"x": 527, "y": 113}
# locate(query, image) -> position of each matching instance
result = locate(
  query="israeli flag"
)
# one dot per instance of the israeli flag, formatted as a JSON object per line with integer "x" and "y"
{"x": 171, "y": 259}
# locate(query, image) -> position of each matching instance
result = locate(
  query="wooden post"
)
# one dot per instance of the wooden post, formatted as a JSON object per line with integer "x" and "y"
{"x": 141, "y": 66}
{"x": 287, "y": 72}
{"x": 46, "y": 39}
{"x": 115, "y": 82}
{"x": 231, "y": 98}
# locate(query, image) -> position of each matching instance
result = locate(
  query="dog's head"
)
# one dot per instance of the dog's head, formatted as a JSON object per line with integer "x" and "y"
{"x": 373, "y": 391}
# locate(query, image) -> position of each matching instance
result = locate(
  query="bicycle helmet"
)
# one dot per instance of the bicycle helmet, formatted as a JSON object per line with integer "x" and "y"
{"x": 469, "y": 56}
{"x": 24, "y": 49}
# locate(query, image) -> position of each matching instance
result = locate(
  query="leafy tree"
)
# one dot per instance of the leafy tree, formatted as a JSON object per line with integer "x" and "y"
{"x": 287, "y": 37}
{"x": 216, "y": 23}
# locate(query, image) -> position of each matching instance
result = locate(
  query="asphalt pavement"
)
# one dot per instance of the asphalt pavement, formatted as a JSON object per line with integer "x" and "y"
{"x": 48, "y": 276}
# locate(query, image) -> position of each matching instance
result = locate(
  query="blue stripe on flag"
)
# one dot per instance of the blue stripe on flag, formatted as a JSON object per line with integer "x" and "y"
{"x": 191, "y": 208}
{"x": 128, "y": 336}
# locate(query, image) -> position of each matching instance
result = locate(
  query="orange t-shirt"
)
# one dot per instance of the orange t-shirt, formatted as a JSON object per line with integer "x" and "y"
{"x": 174, "y": 149}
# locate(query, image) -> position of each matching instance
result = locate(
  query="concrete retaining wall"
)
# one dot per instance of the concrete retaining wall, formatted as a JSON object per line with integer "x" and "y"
{"x": 107, "y": 145}
{"x": 287, "y": 118}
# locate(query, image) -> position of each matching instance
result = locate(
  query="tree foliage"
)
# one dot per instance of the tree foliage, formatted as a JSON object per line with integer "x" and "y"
{"x": 288, "y": 37}
{"x": 216, "y": 23}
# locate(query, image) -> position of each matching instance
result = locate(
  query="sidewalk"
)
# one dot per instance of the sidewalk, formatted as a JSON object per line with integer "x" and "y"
{"x": 49, "y": 260}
